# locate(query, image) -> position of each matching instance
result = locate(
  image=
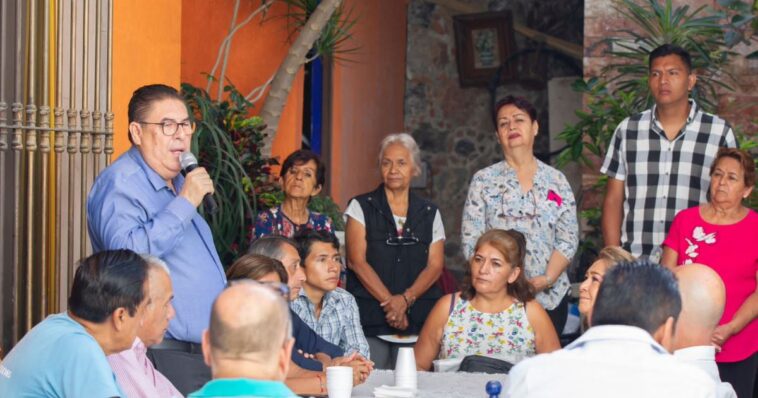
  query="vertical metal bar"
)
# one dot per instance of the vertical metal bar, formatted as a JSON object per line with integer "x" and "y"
{"x": 58, "y": 147}
{"x": 71, "y": 146}
{"x": 17, "y": 145}
{"x": 84, "y": 144}
{"x": 97, "y": 144}
{"x": 31, "y": 148}
{"x": 109, "y": 90}
{"x": 6, "y": 236}
{"x": 44, "y": 148}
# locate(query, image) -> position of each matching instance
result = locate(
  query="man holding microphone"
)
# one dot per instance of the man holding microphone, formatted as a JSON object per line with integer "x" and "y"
{"x": 143, "y": 202}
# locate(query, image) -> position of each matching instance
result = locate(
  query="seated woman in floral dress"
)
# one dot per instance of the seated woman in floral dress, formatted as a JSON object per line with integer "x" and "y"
{"x": 495, "y": 315}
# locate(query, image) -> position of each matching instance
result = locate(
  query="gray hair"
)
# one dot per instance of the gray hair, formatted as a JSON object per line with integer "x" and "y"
{"x": 153, "y": 261}
{"x": 408, "y": 142}
{"x": 271, "y": 246}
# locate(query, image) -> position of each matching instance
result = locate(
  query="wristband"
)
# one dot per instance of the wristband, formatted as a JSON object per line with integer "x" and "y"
{"x": 549, "y": 281}
{"x": 321, "y": 383}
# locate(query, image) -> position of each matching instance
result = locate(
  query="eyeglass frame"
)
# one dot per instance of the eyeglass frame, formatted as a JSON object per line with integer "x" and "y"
{"x": 402, "y": 240}
{"x": 188, "y": 123}
{"x": 526, "y": 216}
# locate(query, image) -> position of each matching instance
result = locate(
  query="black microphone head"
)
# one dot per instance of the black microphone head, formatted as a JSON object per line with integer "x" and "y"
{"x": 187, "y": 159}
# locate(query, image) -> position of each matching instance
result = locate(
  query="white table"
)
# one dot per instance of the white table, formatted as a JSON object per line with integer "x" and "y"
{"x": 434, "y": 385}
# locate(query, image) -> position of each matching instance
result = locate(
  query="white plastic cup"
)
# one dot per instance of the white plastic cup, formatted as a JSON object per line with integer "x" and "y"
{"x": 405, "y": 368}
{"x": 339, "y": 381}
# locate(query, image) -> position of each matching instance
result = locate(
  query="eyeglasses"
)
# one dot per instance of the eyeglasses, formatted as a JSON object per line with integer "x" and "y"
{"x": 402, "y": 240}
{"x": 279, "y": 288}
{"x": 523, "y": 209}
{"x": 170, "y": 127}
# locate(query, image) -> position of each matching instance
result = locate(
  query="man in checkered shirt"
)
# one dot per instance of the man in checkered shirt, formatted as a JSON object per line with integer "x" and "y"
{"x": 658, "y": 160}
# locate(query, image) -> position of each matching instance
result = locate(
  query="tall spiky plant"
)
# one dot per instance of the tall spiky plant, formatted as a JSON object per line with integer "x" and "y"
{"x": 698, "y": 31}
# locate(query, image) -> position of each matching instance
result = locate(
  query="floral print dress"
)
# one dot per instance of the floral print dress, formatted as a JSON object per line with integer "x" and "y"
{"x": 505, "y": 335}
{"x": 546, "y": 215}
{"x": 273, "y": 221}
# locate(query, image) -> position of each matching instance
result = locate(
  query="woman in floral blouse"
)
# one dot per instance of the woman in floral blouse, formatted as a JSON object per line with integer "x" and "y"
{"x": 495, "y": 314}
{"x": 303, "y": 176}
{"x": 529, "y": 196}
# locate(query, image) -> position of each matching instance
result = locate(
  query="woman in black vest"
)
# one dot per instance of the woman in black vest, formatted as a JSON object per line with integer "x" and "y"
{"x": 394, "y": 242}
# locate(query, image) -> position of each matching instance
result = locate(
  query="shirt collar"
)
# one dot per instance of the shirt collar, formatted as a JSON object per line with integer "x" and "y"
{"x": 307, "y": 299}
{"x": 697, "y": 353}
{"x": 139, "y": 347}
{"x": 155, "y": 179}
{"x": 510, "y": 173}
{"x": 237, "y": 387}
{"x": 617, "y": 333}
{"x": 694, "y": 109}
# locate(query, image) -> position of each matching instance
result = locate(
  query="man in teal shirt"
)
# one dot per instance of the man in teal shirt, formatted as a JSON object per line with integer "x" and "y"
{"x": 64, "y": 355}
{"x": 248, "y": 343}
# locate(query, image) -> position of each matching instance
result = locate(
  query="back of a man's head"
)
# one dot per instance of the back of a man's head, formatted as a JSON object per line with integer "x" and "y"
{"x": 249, "y": 333}
{"x": 106, "y": 281}
{"x": 703, "y": 298}
{"x": 271, "y": 246}
{"x": 638, "y": 293}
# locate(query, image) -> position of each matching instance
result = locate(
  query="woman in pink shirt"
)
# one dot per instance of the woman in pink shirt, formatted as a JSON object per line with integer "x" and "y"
{"x": 723, "y": 234}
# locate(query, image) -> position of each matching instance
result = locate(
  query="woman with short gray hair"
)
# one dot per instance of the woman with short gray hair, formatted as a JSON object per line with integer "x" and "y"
{"x": 395, "y": 249}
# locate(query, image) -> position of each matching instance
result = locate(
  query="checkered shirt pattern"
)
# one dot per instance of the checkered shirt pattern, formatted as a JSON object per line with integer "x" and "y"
{"x": 339, "y": 322}
{"x": 662, "y": 177}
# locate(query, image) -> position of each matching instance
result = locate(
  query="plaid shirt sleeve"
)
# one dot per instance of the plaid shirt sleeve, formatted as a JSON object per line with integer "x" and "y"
{"x": 356, "y": 340}
{"x": 614, "y": 165}
{"x": 730, "y": 139}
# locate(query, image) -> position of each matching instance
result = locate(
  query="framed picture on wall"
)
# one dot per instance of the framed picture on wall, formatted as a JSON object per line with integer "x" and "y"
{"x": 482, "y": 44}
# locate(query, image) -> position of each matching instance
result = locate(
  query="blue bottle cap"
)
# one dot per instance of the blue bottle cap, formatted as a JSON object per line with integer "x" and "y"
{"x": 493, "y": 387}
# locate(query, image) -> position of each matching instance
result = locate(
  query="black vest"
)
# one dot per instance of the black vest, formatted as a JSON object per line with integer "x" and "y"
{"x": 398, "y": 266}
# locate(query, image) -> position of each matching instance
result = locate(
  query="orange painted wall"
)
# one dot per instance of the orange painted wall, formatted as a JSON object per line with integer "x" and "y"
{"x": 368, "y": 96}
{"x": 146, "y": 49}
{"x": 257, "y": 51}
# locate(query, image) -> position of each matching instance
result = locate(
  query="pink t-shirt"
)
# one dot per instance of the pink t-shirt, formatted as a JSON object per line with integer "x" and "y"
{"x": 732, "y": 251}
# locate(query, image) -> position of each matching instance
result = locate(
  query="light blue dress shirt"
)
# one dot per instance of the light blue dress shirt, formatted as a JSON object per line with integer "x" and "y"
{"x": 57, "y": 358}
{"x": 131, "y": 207}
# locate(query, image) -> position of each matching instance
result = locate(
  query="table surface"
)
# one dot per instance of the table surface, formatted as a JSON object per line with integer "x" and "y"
{"x": 433, "y": 385}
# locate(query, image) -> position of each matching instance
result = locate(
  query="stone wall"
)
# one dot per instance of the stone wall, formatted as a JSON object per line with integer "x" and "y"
{"x": 453, "y": 125}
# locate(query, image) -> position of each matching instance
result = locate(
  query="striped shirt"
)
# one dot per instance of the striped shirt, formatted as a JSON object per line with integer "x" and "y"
{"x": 662, "y": 177}
{"x": 339, "y": 322}
{"x": 136, "y": 375}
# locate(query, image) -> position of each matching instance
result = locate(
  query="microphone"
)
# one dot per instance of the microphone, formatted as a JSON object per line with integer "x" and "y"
{"x": 188, "y": 161}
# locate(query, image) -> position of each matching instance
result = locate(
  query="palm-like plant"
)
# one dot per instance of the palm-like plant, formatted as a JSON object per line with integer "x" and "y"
{"x": 335, "y": 36}
{"x": 228, "y": 142}
{"x": 699, "y": 31}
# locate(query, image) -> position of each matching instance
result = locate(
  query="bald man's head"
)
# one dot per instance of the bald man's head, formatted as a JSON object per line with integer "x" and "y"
{"x": 249, "y": 323}
{"x": 703, "y": 298}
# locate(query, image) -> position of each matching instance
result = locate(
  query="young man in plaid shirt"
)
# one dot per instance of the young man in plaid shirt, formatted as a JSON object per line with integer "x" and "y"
{"x": 658, "y": 160}
{"x": 329, "y": 310}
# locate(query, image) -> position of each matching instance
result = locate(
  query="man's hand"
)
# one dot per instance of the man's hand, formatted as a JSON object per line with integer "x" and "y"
{"x": 197, "y": 184}
{"x": 362, "y": 367}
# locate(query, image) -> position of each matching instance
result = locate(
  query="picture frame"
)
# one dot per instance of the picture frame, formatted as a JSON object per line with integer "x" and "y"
{"x": 483, "y": 42}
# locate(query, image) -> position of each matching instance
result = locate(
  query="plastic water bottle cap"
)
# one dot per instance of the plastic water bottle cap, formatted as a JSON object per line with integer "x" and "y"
{"x": 493, "y": 388}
